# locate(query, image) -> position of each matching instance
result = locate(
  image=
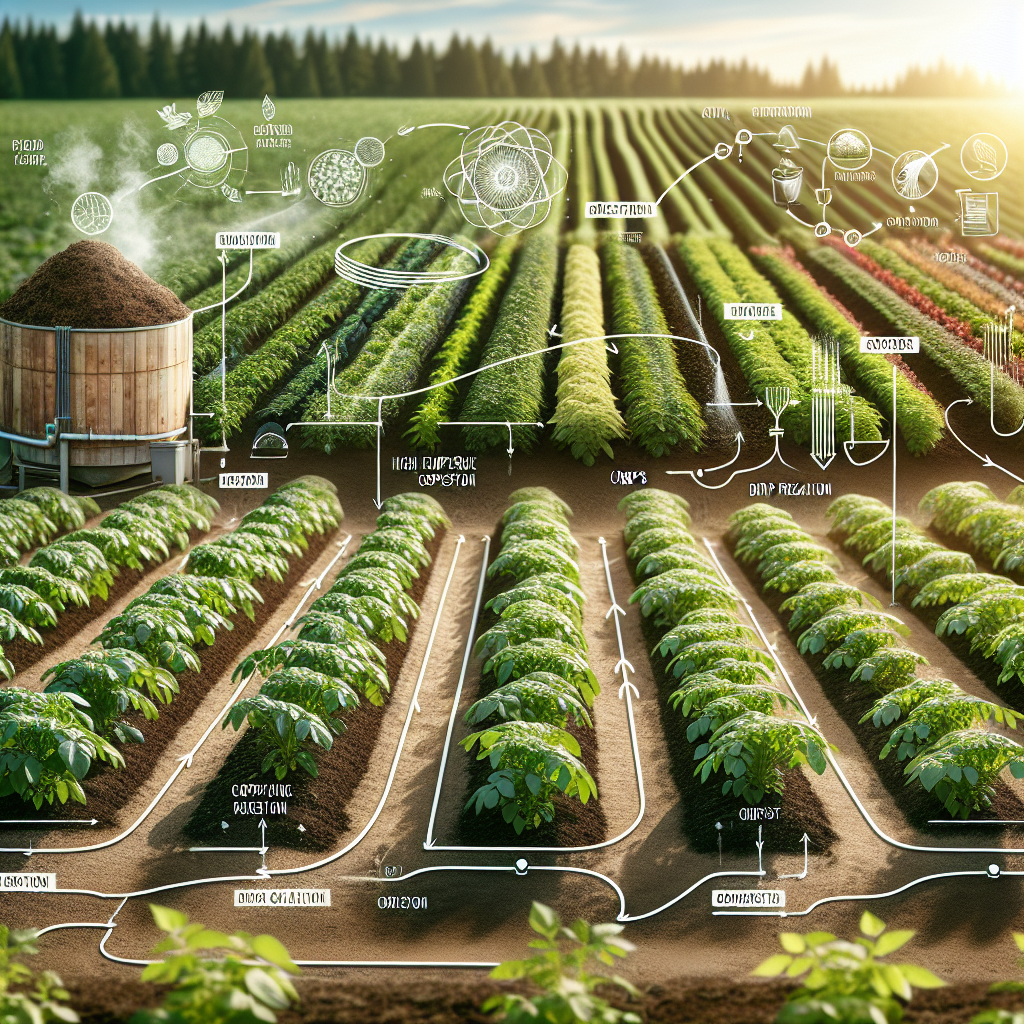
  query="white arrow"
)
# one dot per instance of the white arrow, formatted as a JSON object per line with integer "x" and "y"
{"x": 876, "y": 226}
{"x": 760, "y": 846}
{"x": 380, "y": 430}
{"x": 56, "y": 821}
{"x": 747, "y": 337}
{"x": 713, "y": 469}
{"x": 628, "y": 687}
{"x": 803, "y": 874}
{"x": 440, "y": 124}
{"x": 510, "y": 448}
{"x": 622, "y": 663}
{"x": 263, "y": 840}
{"x": 985, "y": 460}
{"x": 614, "y": 610}
{"x": 734, "y": 404}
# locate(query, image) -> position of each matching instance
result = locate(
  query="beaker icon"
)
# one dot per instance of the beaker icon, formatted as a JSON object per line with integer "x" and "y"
{"x": 787, "y": 179}
{"x": 823, "y": 196}
{"x": 979, "y": 213}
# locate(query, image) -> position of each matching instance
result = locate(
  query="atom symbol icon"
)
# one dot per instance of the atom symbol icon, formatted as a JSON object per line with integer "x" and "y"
{"x": 505, "y": 178}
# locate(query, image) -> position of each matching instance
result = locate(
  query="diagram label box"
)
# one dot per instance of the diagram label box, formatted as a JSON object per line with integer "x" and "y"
{"x": 247, "y": 240}
{"x": 618, "y": 209}
{"x": 891, "y": 345}
{"x": 753, "y": 310}
{"x": 243, "y": 481}
{"x": 285, "y": 898}
{"x": 28, "y": 881}
{"x": 770, "y": 898}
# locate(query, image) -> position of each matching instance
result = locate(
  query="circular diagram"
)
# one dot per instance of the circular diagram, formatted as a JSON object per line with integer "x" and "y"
{"x": 167, "y": 154}
{"x": 849, "y": 149}
{"x": 336, "y": 177}
{"x": 369, "y": 151}
{"x": 983, "y": 156}
{"x": 505, "y": 178}
{"x": 206, "y": 151}
{"x": 92, "y": 213}
{"x": 914, "y": 174}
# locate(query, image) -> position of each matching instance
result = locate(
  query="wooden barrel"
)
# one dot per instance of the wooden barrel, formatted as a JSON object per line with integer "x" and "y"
{"x": 134, "y": 382}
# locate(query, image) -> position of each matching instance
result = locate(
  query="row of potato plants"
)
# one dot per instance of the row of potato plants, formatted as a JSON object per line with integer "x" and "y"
{"x": 515, "y": 390}
{"x": 975, "y": 374}
{"x": 660, "y": 411}
{"x": 460, "y": 351}
{"x": 36, "y": 516}
{"x": 345, "y": 341}
{"x": 948, "y": 308}
{"x": 918, "y": 415}
{"x": 82, "y": 563}
{"x": 1008, "y": 262}
{"x": 535, "y": 656}
{"x": 933, "y": 724}
{"x": 724, "y": 678}
{"x": 50, "y": 740}
{"x": 586, "y": 417}
{"x": 987, "y": 609}
{"x": 390, "y": 362}
{"x": 335, "y": 661}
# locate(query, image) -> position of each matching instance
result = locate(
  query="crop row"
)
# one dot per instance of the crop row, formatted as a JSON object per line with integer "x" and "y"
{"x": 51, "y": 739}
{"x": 975, "y": 375}
{"x": 933, "y": 724}
{"x": 724, "y": 678}
{"x": 660, "y": 411}
{"x": 36, "y": 516}
{"x": 535, "y": 663}
{"x": 918, "y": 415}
{"x": 309, "y": 682}
{"x": 83, "y": 563}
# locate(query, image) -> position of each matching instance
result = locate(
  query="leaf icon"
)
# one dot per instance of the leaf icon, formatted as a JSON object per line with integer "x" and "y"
{"x": 985, "y": 154}
{"x": 269, "y": 110}
{"x": 231, "y": 193}
{"x": 210, "y": 102}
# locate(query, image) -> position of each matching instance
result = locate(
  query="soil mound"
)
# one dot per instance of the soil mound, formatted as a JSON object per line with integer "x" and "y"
{"x": 90, "y": 284}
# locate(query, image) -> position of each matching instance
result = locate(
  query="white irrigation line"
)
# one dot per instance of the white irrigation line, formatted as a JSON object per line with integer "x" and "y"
{"x": 429, "y": 842}
{"x": 864, "y": 813}
{"x": 186, "y": 760}
{"x": 74, "y": 924}
{"x": 627, "y": 687}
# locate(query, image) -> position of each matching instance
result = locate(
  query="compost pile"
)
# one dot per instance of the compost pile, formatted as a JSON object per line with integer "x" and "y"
{"x": 90, "y": 284}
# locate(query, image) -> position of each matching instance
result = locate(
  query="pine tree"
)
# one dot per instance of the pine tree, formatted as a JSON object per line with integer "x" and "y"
{"x": 319, "y": 69}
{"x": 578, "y": 74}
{"x": 23, "y": 44}
{"x": 96, "y": 74}
{"x": 556, "y": 70}
{"x": 357, "y": 66}
{"x": 72, "y": 48}
{"x": 387, "y": 76}
{"x": 48, "y": 59}
{"x": 536, "y": 80}
{"x": 163, "y": 67}
{"x": 224, "y": 65}
{"x": 189, "y": 77}
{"x": 254, "y": 79}
{"x": 10, "y": 77}
{"x": 418, "y": 72}
{"x": 496, "y": 71}
{"x": 130, "y": 57}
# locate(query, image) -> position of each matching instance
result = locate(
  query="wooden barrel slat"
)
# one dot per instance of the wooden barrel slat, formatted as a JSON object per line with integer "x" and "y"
{"x": 121, "y": 382}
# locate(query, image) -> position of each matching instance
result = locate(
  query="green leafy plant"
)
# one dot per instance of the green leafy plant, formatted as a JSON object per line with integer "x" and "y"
{"x": 755, "y": 749}
{"x": 27, "y": 997}
{"x": 567, "y": 970}
{"x": 533, "y": 762}
{"x": 217, "y": 978}
{"x": 846, "y": 982}
{"x": 282, "y": 727}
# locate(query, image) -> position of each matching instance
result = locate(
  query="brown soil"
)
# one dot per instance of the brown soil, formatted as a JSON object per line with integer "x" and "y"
{"x": 107, "y": 790}
{"x": 427, "y": 1000}
{"x": 704, "y": 805}
{"x": 318, "y": 804}
{"x": 853, "y": 701}
{"x": 90, "y": 284}
{"x": 575, "y": 824}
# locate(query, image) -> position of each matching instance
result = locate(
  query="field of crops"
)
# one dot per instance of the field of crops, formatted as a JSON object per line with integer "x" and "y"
{"x": 716, "y": 237}
{"x": 545, "y": 684}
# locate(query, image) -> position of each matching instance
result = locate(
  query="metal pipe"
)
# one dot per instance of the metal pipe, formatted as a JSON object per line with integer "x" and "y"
{"x": 124, "y": 437}
{"x": 51, "y": 439}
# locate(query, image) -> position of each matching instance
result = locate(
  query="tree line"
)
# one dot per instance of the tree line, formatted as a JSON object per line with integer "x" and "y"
{"x": 115, "y": 60}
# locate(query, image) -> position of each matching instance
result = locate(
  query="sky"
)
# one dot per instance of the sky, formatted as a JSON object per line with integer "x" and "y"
{"x": 871, "y": 40}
